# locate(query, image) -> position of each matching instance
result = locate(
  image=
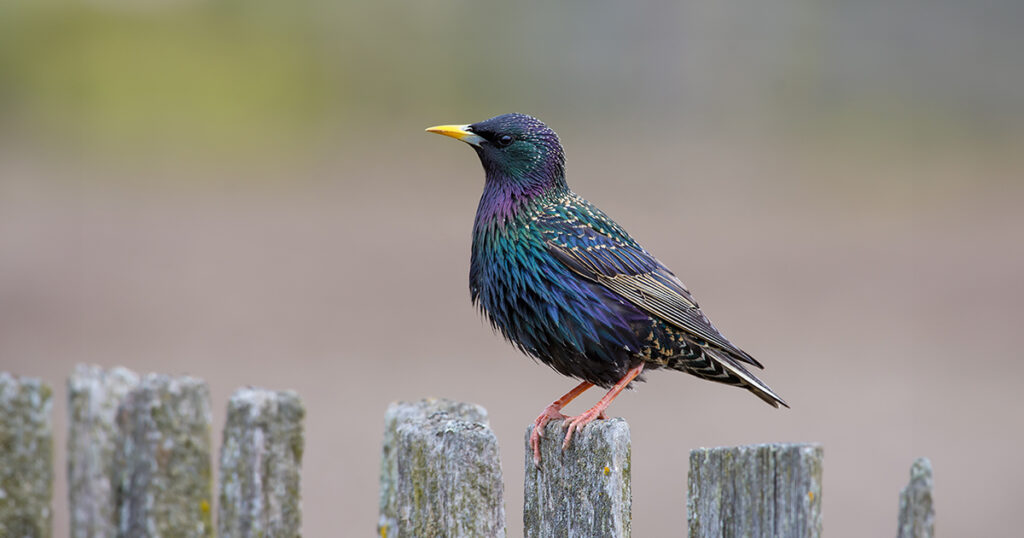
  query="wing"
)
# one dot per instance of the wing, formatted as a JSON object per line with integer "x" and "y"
{"x": 627, "y": 269}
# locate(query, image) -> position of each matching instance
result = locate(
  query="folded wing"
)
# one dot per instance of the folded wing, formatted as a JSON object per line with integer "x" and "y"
{"x": 631, "y": 272}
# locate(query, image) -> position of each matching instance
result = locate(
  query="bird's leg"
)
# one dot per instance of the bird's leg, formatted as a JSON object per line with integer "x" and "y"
{"x": 577, "y": 422}
{"x": 552, "y": 411}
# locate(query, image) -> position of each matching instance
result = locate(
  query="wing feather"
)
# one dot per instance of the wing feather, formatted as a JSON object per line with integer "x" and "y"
{"x": 638, "y": 277}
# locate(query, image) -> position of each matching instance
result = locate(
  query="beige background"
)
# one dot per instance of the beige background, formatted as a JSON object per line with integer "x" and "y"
{"x": 251, "y": 200}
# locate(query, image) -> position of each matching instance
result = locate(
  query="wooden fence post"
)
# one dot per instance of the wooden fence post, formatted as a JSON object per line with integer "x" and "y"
{"x": 94, "y": 395}
{"x": 759, "y": 490}
{"x": 163, "y": 459}
{"x": 585, "y": 489}
{"x": 440, "y": 472}
{"x": 917, "y": 515}
{"x": 26, "y": 457}
{"x": 260, "y": 461}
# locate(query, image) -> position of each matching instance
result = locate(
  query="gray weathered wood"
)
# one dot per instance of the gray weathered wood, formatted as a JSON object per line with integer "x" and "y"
{"x": 758, "y": 490}
{"x": 163, "y": 459}
{"x": 26, "y": 457}
{"x": 440, "y": 472}
{"x": 94, "y": 396}
{"x": 917, "y": 515}
{"x": 585, "y": 489}
{"x": 260, "y": 460}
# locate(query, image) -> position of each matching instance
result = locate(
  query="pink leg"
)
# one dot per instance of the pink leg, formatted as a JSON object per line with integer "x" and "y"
{"x": 577, "y": 422}
{"x": 553, "y": 412}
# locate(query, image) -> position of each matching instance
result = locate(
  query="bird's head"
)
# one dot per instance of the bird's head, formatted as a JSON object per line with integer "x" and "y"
{"x": 516, "y": 151}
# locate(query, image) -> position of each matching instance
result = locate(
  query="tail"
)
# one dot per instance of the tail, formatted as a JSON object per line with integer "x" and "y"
{"x": 716, "y": 365}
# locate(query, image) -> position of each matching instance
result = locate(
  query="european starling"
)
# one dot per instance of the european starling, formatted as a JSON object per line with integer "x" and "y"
{"x": 565, "y": 284}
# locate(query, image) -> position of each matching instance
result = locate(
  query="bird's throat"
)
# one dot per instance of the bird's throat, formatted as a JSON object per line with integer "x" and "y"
{"x": 507, "y": 198}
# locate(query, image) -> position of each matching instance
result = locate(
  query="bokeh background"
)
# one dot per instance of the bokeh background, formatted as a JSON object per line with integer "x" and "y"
{"x": 242, "y": 190}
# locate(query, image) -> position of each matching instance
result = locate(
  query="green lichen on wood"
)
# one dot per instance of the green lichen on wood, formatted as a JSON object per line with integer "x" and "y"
{"x": 584, "y": 490}
{"x": 756, "y": 490}
{"x": 94, "y": 397}
{"x": 440, "y": 472}
{"x": 164, "y": 475}
{"x": 26, "y": 457}
{"x": 917, "y": 513}
{"x": 260, "y": 463}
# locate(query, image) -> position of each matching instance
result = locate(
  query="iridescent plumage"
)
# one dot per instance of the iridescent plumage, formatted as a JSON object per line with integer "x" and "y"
{"x": 567, "y": 285}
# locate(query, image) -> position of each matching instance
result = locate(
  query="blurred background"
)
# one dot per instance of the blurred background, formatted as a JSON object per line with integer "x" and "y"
{"x": 242, "y": 190}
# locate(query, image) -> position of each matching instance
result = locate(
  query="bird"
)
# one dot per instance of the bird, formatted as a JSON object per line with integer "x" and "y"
{"x": 567, "y": 285}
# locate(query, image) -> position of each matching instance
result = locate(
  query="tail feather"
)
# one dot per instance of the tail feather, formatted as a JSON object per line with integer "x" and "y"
{"x": 715, "y": 365}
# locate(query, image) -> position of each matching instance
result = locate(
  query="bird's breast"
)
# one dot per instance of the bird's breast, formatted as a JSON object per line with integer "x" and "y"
{"x": 506, "y": 269}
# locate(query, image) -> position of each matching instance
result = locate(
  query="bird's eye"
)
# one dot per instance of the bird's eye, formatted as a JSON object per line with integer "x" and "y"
{"x": 505, "y": 140}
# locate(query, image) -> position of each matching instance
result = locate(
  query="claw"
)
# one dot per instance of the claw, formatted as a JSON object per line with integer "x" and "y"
{"x": 550, "y": 412}
{"x": 573, "y": 424}
{"x": 576, "y": 423}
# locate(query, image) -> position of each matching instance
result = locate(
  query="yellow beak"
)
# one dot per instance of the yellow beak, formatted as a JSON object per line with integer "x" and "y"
{"x": 458, "y": 132}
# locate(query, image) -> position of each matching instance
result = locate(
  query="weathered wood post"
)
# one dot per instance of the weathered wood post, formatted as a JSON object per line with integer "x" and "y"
{"x": 26, "y": 457}
{"x": 260, "y": 461}
{"x": 917, "y": 515}
{"x": 758, "y": 490}
{"x": 94, "y": 396}
{"x": 440, "y": 472}
{"x": 583, "y": 490}
{"x": 163, "y": 459}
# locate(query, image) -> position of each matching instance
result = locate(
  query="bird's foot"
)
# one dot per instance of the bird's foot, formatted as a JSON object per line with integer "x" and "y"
{"x": 576, "y": 423}
{"x": 550, "y": 412}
